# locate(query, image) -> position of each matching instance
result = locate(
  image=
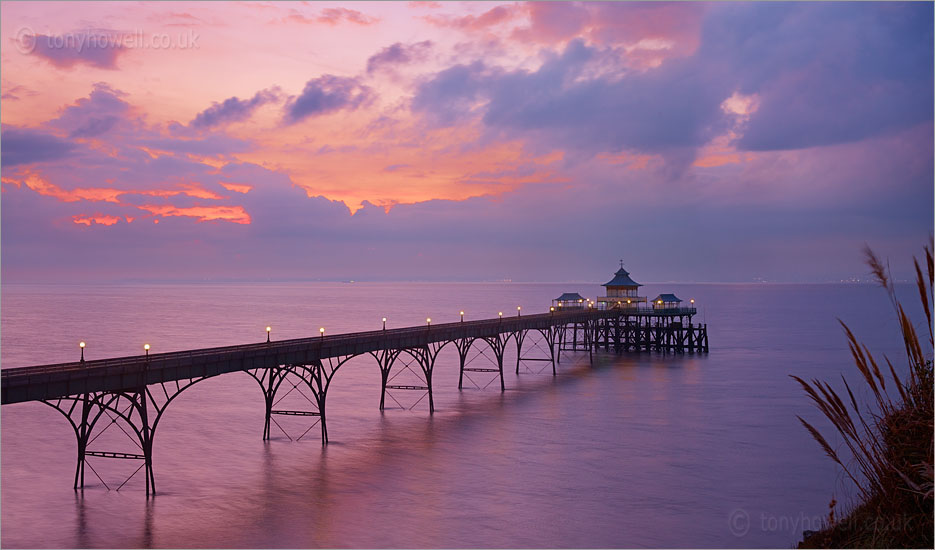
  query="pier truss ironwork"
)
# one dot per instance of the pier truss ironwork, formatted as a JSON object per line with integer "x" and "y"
{"x": 130, "y": 394}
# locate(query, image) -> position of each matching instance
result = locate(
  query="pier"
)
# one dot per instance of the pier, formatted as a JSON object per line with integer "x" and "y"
{"x": 136, "y": 390}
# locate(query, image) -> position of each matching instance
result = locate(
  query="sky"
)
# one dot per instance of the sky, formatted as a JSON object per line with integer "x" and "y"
{"x": 253, "y": 141}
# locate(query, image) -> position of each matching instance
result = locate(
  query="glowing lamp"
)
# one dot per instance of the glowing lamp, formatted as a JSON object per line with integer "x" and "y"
{"x": 81, "y": 345}
{"x": 268, "y": 330}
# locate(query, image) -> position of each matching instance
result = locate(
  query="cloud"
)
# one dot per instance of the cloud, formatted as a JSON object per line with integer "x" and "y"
{"x": 492, "y": 17}
{"x": 825, "y": 73}
{"x": 233, "y": 109}
{"x": 95, "y": 48}
{"x": 94, "y": 115}
{"x": 815, "y": 81}
{"x": 669, "y": 110}
{"x": 327, "y": 94}
{"x": 333, "y": 17}
{"x": 451, "y": 94}
{"x": 554, "y": 21}
{"x": 398, "y": 54}
{"x": 16, "y": 92}
{"x": 212, "y": 145}
{"x": 29, "y": 146}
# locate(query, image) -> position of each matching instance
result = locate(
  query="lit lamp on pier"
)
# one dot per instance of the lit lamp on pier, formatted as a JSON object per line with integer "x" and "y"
{"x": 81, "y": 345}
{"x": 384, "y": 323}
{"x": 551, "y": 310}
{"x": 322, "y": 332}
{"x": 268, "y": 330}
{"x": 462, "y": 316}
{"x": 501, "y": 315}
{"x": 146, "y": 349}
{"x": 518, "y": 309}
{"x": 428, "y": 321}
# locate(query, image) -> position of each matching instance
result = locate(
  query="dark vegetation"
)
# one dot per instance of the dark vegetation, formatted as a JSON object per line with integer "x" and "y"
{"x": 889, "y": 441}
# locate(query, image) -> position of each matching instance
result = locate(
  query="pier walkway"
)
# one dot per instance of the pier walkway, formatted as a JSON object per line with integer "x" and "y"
{"x": 136, "y": 390}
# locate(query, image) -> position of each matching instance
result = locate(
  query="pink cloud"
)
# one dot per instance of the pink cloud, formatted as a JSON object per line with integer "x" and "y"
{"x": 333, "y": 16}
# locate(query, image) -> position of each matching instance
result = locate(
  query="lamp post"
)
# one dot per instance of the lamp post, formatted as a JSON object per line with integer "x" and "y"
{"x": 428, "y": 322}
{"x": 268, "y": 330}
{"x": 518, "y": 309}
{"x": 322, "y": 332}
{"x": 501, "y": 315}
{"x": 462, "y": 316}
{"x": 81, "y": 345}
{"x": 146, "y": 349}
{"x": 384, "y": 323}
{"x": 552, "y": 310}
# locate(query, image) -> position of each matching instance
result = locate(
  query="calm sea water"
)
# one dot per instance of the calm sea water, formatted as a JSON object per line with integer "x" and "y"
{"x": 638, "y": 450}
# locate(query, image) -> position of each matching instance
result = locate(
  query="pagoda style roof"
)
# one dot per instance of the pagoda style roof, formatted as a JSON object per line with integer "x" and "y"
{"x": 569, "y": 297}
{"x": 667, "y": 298}
{"x": 622, "y": 278}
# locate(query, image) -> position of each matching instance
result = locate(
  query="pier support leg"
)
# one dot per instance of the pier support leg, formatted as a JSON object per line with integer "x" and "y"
{"x": 519, "y": 336}
{"x": 464, "y": 346}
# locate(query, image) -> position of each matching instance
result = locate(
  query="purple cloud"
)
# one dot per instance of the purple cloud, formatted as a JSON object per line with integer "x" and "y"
{"x": 326, "y": 94}
{"x": 28, "y": 146}
{"x": 94, "y": 115}
{"x": 398, "y": 54}
{"x": 826, "y": 73}
{"x": 89, "y": 47}
{"x": 450, "y": 95}
{"x": 233, "y": 109}
{"x": 823, "y": 74}
{"x": 669, "y": 110}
